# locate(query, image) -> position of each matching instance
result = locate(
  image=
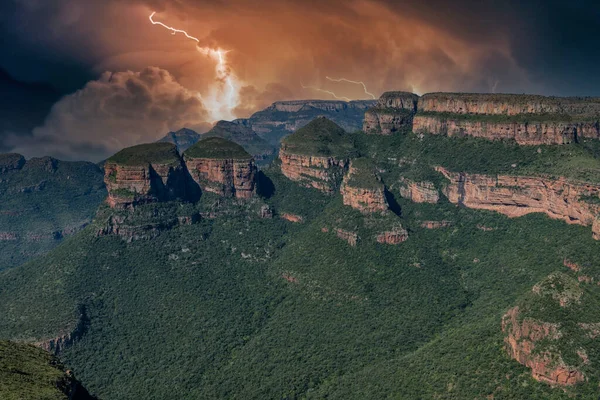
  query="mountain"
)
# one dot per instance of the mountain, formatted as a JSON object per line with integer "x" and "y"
{"x": 284, "y": 117}
{"x": 244, "y": 136}
{"x": 383, "y": 263}
{"x": 27, "y": 372}
{"x": 43, "y": 200}
{"x": 183, "y": 138}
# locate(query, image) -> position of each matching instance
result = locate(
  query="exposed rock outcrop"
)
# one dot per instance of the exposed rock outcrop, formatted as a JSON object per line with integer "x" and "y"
{"x": 10, "y": 162}
{"x": 522, "y": 334}
{"x": 350, "y": 237}
{"x": 393, "y": 112}
{"x": 508, "y": 104}
{"x": 419, "y": 192}
{"x": 395, "y": 236}
{"x": 292, "y": 217}
{"x": 316, "y": 155}
{"x": 435, "y": 224}
{"x": 222, "y": 167}
{"x": 362, "y": 189}
{"x": 524, "y": 133}
{"x": 143, "y": 174}
{"x": 516, "y": 196}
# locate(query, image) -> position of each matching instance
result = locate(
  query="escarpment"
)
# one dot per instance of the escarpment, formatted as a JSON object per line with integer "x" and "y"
{"x": 143, "y": 174}
{"x": 222, "y": 167}
{"x": 393, "y": 112}
{"x": 316, "y": 155}
{"x": 527, "y": 119}
{"x": 362, "y": 189}
{"x": 419, "y": 192}
{"x": 515, "y": 196}
{"x": 156, "y": 172}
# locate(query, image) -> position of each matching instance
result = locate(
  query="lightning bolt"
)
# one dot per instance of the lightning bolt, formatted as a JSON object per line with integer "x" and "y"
{"x": 326, "y": 91}
{"x": 354, "y": 82}
{"x": 222, "y": 101}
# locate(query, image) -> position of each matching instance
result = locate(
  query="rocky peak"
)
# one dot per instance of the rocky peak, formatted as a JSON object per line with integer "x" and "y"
{"x": 316, "y": 155}
{"x": 220, "y": 166}
{"x": 362, "y": 189}
{"x": 143, "y": 174}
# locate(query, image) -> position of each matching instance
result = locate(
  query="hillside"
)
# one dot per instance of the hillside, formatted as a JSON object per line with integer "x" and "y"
{"x": 182, "y": 139}
{"x": 27, "y": 372}
{"x": 376, "y": 264}
{"x": 43, "y": 200}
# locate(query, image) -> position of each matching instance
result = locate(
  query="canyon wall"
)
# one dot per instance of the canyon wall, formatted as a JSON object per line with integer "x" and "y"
{"x": 321, "y": 173}
{"x": 225, "y": 177}
{"x": 393, "y": 112}
{"x": 515, "y": 196}
{"x": 362, "y": 190}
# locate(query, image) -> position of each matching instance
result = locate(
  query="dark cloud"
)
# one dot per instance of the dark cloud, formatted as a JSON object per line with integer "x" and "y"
{"x": 116, "y": 111}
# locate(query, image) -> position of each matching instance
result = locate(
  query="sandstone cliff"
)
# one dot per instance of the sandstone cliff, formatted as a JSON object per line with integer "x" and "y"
{"x": 362, "y": 189}
{"x": 508, "y": 104}
{"x": 516, "y": 196}
{"x": 143, "y": 174}
{"x": 222, "y": 167}
{"x": 524, "y": 133}
{"x": 393, "y": 112}
{"x": 396, "y": 236}
{"x": 419, "y": 192}
{"x": 316, "y": 155}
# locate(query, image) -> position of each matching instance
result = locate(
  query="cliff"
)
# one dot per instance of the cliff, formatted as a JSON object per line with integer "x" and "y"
{"x": 524, "y": 133}
{"x": 222, "y": 167}
{"x": 515, "y": 196}
{"x": 316, "y": 155}
{"x": 393, "y": 112}
{"x": 362, "y": 189}
{"x": 419, "y": 192}
{"x": 549, "y": 331}
{"x": 143, "y": 174}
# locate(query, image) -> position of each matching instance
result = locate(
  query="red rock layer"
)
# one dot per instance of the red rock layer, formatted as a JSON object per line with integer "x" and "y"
{"x": 521, "y": 337}
{"x": 419, "y": 192}
{"x": 534, "y": 133}
{"x": 393, "y": 112}
{"x": 507, "y": 104}
{"x": 435, "y": 224}
{"x": 350, "y": 237}
{"x": 516, "y": 196}
{"x": 396, "y": 236}
{"x": 365, "y": 200}
{"x": 311, "y": 171}
{"x": 225, "y": 177}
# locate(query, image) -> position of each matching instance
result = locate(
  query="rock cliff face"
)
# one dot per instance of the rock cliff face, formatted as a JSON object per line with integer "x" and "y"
{"x": 316, "y": 155}
{"x": 508, "y": 104}
{"x": 10, "y": 162}
{"x": 362, "y": 190}
{"x": 522, "y": 334}
{"x": 524, "y": 133}
{"x": 419, "y": 192}
{"x": 311, "y": 171}
{"x": 516, "y": 196}
{"x": 222, "y": 167}
{"x": 395, "y": 236}
{"x": 393, "y": 112}
{"x": 143, "y": 174}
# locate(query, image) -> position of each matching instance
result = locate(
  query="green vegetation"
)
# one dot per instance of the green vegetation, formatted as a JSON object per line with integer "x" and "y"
{"x": 42, "y": 201}
{"x": 143, "y": 154}
{"x": 245, "y": 137}
{"x": 507, "y": 119}
{"x": 216, "y": 147}
{"x": 363, "y": 174}
{"x": 27, "y": 372}
{"x": 321, "y": 137}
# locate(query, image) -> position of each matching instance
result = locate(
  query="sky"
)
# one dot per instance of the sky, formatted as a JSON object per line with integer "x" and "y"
{"x": 84, "y": 78}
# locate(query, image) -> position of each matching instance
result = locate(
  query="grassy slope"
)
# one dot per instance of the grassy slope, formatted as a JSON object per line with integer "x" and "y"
{"x": 37, "y": 201}
{"x": 257, "y": 308}
{"x": 321, "y": 137}
{"x": 27, "y": 372}
{"x": 217, "y": 147}
{"x": 142, "y": 154}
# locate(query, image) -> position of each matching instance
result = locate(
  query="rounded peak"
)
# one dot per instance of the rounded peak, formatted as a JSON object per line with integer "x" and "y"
{"x": 149, "y": 153}
{"x": 320, "y": 137}
{"x": 217, "y": 147}
{"x": 11, "y": 161}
